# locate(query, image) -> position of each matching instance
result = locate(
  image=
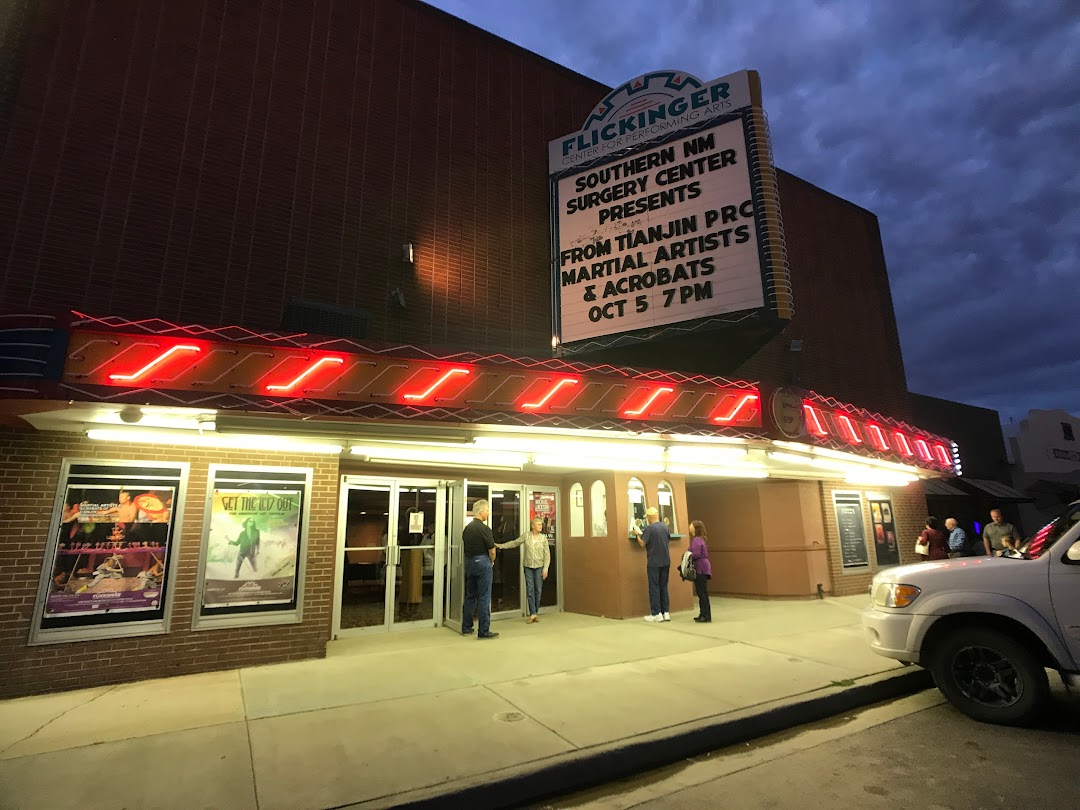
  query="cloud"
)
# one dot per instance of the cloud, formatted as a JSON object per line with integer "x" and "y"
{"x": 957, "y": 124}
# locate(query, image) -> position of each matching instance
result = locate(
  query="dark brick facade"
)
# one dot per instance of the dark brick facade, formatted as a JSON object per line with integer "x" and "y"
{"x": 209, "y": 166}
{"x": 209, "y": 162}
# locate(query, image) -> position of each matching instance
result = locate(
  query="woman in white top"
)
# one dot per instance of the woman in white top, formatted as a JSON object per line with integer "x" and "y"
{"x": 535, "y": 558}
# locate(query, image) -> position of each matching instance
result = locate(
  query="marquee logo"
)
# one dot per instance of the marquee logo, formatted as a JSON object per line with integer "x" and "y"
{"x": 648, "y": 107}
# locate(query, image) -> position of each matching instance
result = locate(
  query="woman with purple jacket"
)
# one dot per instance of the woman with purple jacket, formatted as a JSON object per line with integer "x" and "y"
{"x": 700, "y": 552}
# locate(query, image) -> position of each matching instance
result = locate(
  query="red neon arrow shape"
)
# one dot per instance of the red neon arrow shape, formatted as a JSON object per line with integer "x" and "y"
{"x": 315, "y": 366}
{"x": 877, "y": 438}
{"x": 814, "y": 423}
{"x": 943, "y": 456}
{"x": 551, "y": 392}
{"x": 652, "y": 398}
{"x": 902, "y": 444}
{"x": 731, "y": 415}
{"x": 157, "y": 361}
{"x": 435, "y": 385}
{"x": 851, "y": 435}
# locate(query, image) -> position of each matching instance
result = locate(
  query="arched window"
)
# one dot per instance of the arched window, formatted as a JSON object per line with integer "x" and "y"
{"x": 635, "y": 498}
{"x": 665, "y": 502}
{"x": 577, "y": 511}
{"x": 598, "y": 507}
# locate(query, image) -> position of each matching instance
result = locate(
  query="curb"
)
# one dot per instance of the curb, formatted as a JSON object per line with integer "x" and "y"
{"x": 531, "y": 783}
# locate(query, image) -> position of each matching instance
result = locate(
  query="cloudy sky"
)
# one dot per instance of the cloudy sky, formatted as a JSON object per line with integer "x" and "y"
{"x": 957, "y": 123}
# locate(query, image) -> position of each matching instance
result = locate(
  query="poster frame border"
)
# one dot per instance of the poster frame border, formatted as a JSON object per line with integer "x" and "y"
{"x": 261, "y": 618}
{"x": 136, "y": 627}
{"x": 871, "y": 560}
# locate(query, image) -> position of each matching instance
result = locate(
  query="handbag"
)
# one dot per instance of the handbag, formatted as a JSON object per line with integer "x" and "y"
{"x": 687, "y": 571}
{"x": 921, "y": 547}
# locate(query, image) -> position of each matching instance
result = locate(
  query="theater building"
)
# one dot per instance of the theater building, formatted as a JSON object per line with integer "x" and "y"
{"x": 287, "y": 287}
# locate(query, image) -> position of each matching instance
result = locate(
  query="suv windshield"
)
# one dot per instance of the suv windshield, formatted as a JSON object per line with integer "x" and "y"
{"x": 1049, "y": 534}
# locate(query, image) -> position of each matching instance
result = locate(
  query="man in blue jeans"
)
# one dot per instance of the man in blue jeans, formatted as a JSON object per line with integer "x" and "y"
{"x": 655, "y": 540}
{"x": 478, "y": 547}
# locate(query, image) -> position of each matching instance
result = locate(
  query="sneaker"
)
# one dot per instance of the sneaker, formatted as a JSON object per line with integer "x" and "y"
{"x": 667, "y": 617}
{"x": 657, "y": 618}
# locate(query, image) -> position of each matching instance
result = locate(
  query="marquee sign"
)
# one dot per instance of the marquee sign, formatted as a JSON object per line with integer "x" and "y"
{"x": 665, "y": 214}
{"x": 275, "y": 374}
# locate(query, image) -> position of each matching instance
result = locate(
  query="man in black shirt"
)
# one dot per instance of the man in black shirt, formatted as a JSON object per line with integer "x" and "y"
{"x": 478, "y": 546}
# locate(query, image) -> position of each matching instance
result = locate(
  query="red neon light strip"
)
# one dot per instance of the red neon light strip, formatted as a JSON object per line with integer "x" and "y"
{"x": 729, "y": 417}
{"x": 157, "y": 361}
{"x": 902, "y": 444}
{"x": 550, "y": 393}
{"x": 320, "y": 362}
{"x": 652, "y": 398}
{"x": 924, "y": 450}
{"x": 850, "y": 434}
{"x": 877, "y": 437}
{"x": 942, "y": 455}
{"x": 437, "y": 383}
{"x": 814, "y": 423}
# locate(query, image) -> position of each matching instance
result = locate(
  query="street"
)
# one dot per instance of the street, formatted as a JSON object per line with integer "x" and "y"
{"x": 917, "y": 752}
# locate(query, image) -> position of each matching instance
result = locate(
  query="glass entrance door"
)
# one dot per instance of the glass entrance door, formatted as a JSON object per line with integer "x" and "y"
{"x": 417, "y": 584}
{"x": 543, "y": 504}
{"x": 454, "y": 519}
{"x": 364, "y": 519}
{"x": 392, "y": 546}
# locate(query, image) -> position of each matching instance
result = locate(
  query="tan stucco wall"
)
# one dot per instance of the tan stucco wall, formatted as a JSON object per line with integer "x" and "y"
{"x": 765, "y": 538}
{"x": 605, "y": 576}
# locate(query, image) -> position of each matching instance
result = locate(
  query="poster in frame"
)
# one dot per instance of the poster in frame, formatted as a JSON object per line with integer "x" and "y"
{"x": 254, "y": 545}
{"x": 110, "y": 558}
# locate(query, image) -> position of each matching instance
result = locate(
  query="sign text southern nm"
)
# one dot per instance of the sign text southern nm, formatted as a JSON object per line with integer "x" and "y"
{"x": 658, "y": 237}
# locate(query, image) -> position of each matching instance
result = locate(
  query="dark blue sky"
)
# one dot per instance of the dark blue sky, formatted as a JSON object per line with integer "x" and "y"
{"x": 958, "y": 124}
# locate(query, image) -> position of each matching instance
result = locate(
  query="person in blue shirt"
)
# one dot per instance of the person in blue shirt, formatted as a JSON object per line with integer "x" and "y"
{"x": 656, "y": 540}
{"x": 957, "y": 538}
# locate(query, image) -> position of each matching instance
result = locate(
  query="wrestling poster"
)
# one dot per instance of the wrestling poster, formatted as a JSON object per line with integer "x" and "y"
{"x": 111, "y": 549}
{"x": 252, "y": 548}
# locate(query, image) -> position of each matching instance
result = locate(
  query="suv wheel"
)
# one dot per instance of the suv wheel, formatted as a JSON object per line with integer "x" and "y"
{"x": 990, "y": 676}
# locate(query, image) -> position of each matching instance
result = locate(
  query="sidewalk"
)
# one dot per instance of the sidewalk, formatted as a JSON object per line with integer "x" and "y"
{"x": 430, "y": 716}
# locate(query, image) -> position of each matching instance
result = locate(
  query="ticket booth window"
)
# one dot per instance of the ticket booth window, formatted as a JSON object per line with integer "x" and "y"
{"x": 577, "y": 511}
{"x": 635, "y": 497}
{"x": 665, "y": 502}
{"x": 598, "y": 506}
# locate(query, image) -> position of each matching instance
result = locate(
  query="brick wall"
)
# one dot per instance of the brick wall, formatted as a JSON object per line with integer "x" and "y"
{"x": 28, "y": 483}
{"x": 843, "y": 306}
{"x": 206, "y": 162}
{"x": 909, "y": 516}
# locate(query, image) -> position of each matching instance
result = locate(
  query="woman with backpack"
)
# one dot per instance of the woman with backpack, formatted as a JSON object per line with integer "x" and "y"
{"x": 699, "y": 551}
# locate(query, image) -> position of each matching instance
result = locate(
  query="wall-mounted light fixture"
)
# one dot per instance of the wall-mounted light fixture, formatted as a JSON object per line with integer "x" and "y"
{"x": 407, "y": 253}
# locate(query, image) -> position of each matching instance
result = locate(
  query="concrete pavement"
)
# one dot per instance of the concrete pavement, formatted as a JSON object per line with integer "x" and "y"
{"x": 430, "y": 717}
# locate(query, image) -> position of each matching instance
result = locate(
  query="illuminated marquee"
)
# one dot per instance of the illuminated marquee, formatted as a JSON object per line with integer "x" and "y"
{"x": 665, "y": 214}
{"x": 260, "y": 376}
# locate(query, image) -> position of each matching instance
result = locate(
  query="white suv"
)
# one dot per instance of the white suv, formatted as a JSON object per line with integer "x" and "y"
{"x": 987, "y": 627}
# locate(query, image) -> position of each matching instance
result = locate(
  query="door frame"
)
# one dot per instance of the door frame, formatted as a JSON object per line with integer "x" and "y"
{"x": 393, "y": 554}
{"x": 454, "y": 542}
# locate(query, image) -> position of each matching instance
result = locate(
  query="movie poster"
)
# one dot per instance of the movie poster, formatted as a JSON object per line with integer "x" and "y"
{"x": 886, "y": 549}
{"x": 111, "y": 549}
{"x": 252, "y": 548}
{"x": 542, "y": 505}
